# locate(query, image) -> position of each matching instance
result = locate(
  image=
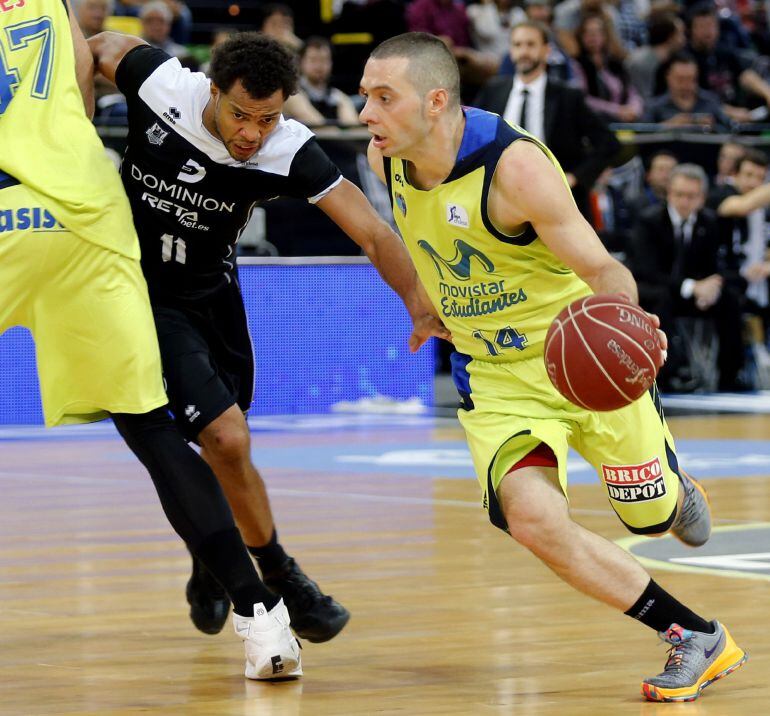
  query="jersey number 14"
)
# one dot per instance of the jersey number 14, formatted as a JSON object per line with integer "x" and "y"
{"x": 504, "y": 338}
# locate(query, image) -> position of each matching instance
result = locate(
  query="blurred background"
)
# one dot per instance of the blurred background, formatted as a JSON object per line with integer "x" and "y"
{"x": 656, "y": 109}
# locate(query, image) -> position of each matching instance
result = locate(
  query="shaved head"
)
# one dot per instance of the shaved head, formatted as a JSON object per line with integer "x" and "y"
{"x": 431, "y": 64}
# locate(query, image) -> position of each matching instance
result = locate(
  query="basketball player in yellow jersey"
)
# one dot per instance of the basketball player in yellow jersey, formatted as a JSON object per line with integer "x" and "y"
{"x": 69, "y": 271}
{"x": 501, "y": 248}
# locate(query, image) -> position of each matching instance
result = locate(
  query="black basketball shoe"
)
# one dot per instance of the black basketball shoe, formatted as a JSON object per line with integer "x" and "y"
{"x": 209, "y": 603}
{"x": 315, "y": 616}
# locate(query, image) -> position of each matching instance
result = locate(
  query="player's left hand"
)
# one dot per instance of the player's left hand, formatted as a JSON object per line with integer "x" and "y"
{"x": 661, "y": 336}
{"x": 655, "y": 322}
{"x": 425, "y": 327}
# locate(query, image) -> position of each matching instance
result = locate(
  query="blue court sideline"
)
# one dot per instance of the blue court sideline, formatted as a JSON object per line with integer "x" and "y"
{"x": 409, "y": 445}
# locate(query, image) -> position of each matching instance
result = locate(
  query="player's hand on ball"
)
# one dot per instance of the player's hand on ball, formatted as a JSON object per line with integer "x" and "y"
{"x": 655, "y": 322}
{"x": 662, "y": 336}
{"x": 425, "y": 327}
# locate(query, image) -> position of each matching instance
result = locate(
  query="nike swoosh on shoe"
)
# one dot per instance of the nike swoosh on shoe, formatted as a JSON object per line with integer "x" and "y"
{"x": 709, "y": 652}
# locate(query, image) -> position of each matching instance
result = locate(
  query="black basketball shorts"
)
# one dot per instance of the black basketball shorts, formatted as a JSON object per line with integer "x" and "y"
{"x": 208, "y": 362}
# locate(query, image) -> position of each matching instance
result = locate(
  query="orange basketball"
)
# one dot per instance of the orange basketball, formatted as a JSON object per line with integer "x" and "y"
{"x": 602, "y": 352}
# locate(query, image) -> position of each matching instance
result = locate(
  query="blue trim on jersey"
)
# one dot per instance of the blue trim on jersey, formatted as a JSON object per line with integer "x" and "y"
{"x": 528, "y": 235}
{"x": 480, "y": 130}
{"x": 485, "y": 138}
{"x": 7, "y": 180}
{"x": 461, "y": 378}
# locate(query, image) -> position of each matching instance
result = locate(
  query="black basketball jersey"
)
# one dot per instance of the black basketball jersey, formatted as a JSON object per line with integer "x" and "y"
{"x": 189, "y": 197}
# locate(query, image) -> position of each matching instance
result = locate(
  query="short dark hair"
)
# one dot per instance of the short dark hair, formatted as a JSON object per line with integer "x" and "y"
{"x": 431, "y": 64}
{"x": 661, "y": 27}
{"x": 660, "y": 153}
{"x": 315, "y": 42}
{"x": 755, "y": 156}
{"x": 262, "y": 65}
{"x": 680, "y": 58}
{"x": 535, "y": 25}
{"x": 701, "y": 9}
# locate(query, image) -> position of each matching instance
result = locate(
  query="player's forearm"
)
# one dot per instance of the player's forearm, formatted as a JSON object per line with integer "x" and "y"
{"x": 349, "y": 209}
{"x": 392, "y": 261}
{"x": 612, "y": 277}
{"x": 742, "y": 205}
{"x": 753, "y": 82}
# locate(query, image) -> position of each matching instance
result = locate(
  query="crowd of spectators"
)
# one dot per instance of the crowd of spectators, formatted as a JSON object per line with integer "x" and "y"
{"x": 691, "y": 225}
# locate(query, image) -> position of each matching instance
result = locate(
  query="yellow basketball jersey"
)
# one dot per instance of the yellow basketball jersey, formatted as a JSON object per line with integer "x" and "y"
{"x": 497, "y": 294}
{"x": 47, "y": 142}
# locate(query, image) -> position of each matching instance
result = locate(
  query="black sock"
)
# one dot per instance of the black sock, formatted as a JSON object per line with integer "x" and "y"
{"x": 657, "y": 609}
{"x": 223, "y": 555}
{"x": 270, "y": 556}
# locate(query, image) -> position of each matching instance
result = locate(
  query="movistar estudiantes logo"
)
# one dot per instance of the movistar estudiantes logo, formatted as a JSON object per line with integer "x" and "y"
{"x": 460, "y": 264}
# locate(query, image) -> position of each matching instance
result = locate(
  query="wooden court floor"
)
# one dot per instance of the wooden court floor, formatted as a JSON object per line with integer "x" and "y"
{"x": 449, "y": 615}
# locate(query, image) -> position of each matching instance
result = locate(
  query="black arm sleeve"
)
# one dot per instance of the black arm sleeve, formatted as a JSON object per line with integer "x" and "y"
{"x": 136, "y": 66}
{"x": 311, "y": 171}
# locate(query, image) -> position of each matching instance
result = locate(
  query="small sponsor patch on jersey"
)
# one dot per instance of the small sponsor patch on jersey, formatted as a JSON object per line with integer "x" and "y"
{"x": 457, "y": 215}
{"x": 401, "y": 203}
{"x": 191, "y": 172}
{"x": 635, "y": 483}
{"x": 192, "y": 413}
{"x": 156, "y": 135}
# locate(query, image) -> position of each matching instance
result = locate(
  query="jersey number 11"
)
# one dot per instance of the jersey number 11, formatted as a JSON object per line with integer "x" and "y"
{"x": 173, "y": 249}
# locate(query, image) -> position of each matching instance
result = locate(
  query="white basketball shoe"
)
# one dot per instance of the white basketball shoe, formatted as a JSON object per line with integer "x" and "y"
{"x": 272, "y": 652}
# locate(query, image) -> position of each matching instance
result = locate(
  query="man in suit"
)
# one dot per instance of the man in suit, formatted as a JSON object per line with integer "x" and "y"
{"x": 655, "y": 190}
{"x": 554, "y": 113}
{"x": 676, "y": 260}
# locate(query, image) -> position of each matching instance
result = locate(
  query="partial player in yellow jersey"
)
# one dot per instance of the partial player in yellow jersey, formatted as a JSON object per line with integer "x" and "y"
{"x": 501, "y": 248}
{"x": 69, "y": 271}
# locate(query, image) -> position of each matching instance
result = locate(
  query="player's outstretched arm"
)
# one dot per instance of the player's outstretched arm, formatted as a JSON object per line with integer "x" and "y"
{"x": 84, "y": 64}
{"x": 109, "y": 48}
{"x": 351, "y": 211}
{"x": 527, "y": 187}
{"x": 743, "y": 204}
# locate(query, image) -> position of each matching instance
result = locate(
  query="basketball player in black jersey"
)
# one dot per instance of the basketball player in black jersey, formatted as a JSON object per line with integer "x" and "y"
{"x": 200, "y": 155}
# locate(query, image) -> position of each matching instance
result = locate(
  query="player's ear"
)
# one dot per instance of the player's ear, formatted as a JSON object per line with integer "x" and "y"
{"x": 215, "y": 91}
{"x": 438, "y": 99}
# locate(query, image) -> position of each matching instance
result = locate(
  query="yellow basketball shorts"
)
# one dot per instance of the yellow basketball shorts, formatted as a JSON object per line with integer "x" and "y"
{"x": 88, "y": 311}
{"x": 515, "y": 408}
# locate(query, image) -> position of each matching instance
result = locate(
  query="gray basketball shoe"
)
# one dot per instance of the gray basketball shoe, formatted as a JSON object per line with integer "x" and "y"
{"x": 695, "y": 660}
{"x": 693, "y": 524}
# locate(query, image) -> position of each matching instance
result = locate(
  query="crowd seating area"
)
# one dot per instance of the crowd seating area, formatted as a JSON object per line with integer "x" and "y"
{"x": 656, "y": 109}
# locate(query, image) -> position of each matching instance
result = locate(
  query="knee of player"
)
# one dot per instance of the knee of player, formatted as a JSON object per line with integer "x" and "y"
{"x": 230, "y": 443}
{"x": 536, "y": 530}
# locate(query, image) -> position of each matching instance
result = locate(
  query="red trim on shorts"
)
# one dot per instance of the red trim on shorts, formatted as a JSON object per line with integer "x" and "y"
{"x": 541, "y": 456}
